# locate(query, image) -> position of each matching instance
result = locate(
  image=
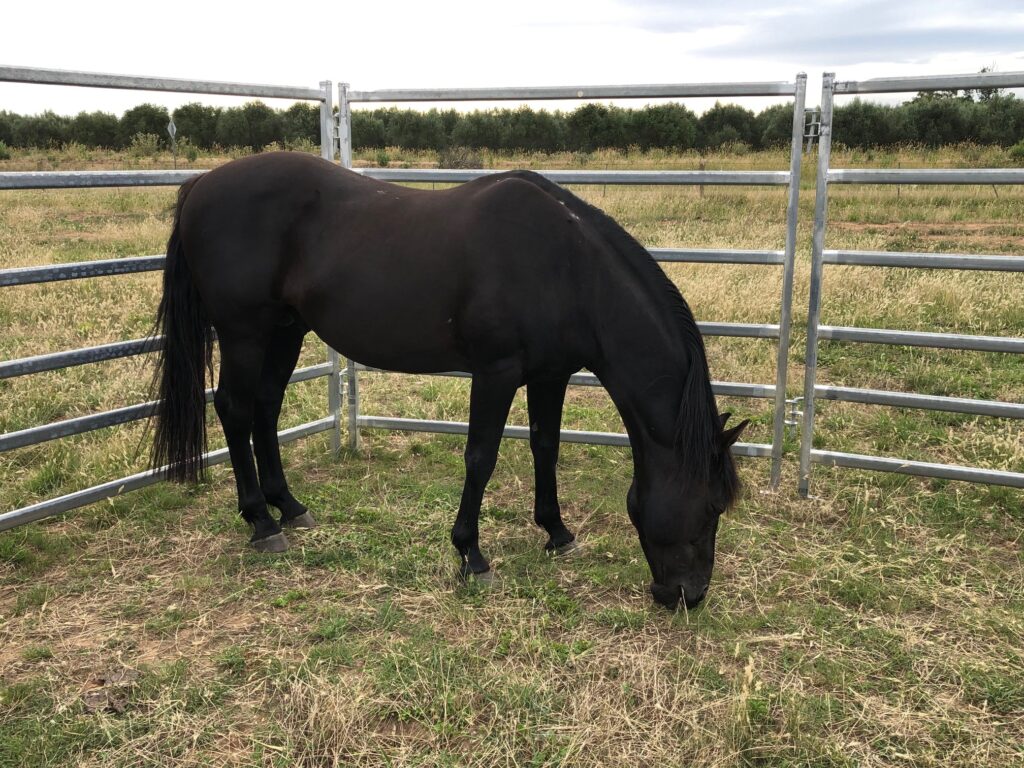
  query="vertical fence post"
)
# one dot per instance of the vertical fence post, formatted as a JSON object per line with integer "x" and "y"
{"x": 351, "y": 374}
{"x": 814, "y": 301}
{"x": 334, "y": 377}
{"x": 786, "y": 309}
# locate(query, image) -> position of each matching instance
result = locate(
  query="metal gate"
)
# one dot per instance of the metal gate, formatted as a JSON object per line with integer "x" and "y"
{"x": 775, "y": 391}
{"x": 9, "y": 278}
{"x": 820, "y": 257}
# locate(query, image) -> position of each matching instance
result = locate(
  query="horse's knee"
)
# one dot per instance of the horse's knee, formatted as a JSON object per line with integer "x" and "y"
{"x": 233, "y": 416}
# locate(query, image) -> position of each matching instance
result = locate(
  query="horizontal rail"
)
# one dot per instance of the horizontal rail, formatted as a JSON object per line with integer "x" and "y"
{"x": 745, "y": 330}
{"x": 52, "y": 273}
{"x": 134, "y": 482}
{"x": 717, "y": 256}
{"x": 134, "y": 82}
{"x": 567, "y": 92}
{"x": 93, "y": 179}
{"x": 523, "y": 433}
{"x": 925, "y": 260}
{"x": 57, "y": 360}
{"x": 925, "y": 402}
{"x": 724, "y": 388}
{"x": 932, "y": 83}
{"x": 919, "y": 468}
{"x": 984, "y": 176}
{"x": 710, "y": 178}
{"x": 82, "y": 424}
{"x": 922, "y": 339}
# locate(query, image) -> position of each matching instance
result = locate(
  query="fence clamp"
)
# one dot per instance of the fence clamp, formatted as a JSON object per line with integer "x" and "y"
{"x": 793, "y": 417}
{"x": 342, "y": 385}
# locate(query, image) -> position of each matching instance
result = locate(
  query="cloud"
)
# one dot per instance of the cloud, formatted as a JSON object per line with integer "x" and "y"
{"x": 843, "y": 33}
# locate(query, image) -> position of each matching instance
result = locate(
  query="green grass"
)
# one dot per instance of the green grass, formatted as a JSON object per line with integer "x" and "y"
{"x": 879, "y": 623}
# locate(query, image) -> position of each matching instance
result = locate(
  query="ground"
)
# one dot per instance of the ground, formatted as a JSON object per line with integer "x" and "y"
{"x": 879, "y": 623}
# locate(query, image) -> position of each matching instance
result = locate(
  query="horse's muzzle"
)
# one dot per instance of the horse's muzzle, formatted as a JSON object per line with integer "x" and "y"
{"x": 670, "y": 596}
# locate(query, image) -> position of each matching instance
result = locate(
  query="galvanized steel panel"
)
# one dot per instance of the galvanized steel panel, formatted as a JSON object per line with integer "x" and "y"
{"x": 925, "y": 402}
{"x": 984, "y": 176}
{"x": 82, "y": 424}
{"x": 724, "y": 388}
{"x": 718, "y": 256}
{"x": 79, "y": 269}
{"x": 134, "y": 482}
{"x": 746, "y": 330}
{"x": 710, "y": 178}
{"x": 926, "y": 260}
{"x": 922, "y": 339}
{"x": 523, "y": 433}
{"x": 932, "y": 83}
{"x": 574, "y": 92}
{"x": 134, "y": 82}
{"x": 89, "y": 179}
{"x": 920, "y": 468}
{"x": 57, "y": 360}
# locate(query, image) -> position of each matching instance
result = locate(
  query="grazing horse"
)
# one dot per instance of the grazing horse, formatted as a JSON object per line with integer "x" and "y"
{"x": 509, "y": 277}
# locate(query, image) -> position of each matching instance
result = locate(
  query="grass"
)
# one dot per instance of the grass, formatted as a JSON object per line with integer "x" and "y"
{"x": 877, "y": 624}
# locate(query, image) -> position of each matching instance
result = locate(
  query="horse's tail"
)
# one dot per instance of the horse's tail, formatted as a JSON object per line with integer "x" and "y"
{"x": 179, "y": 439}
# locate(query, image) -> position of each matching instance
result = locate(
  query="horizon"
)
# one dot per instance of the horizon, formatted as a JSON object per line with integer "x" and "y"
{"x": 461, "y": 44}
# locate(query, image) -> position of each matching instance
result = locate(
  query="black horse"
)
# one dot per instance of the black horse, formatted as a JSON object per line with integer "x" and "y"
{"x": 509, "y": 277}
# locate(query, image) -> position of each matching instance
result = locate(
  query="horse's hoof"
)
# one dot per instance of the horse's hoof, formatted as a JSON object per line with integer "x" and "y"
{"x": 276, "y": 543}
{"x": 305, "y": 520}
{"x": 564, "y": 549}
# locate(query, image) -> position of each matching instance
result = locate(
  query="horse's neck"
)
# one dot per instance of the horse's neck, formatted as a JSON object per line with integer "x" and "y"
{"x": 643, "y": 367}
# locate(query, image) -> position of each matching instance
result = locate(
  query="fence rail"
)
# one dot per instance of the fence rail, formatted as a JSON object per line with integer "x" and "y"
{"x": 817, "y": 332}
{"x": 53, "y": 273}
{"x": 575, "y": 93}
{"x": 91, "y": 179}
{"x": 783, "y": 258}
{"x": 135, "y": 83}
{"x": 693, "y": 178}
{"x": 110, "y": 267}
{"x": 723, "y": 388}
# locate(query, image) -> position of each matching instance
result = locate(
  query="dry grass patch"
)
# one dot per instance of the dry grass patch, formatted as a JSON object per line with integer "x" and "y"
{"x": 877, "y": 624}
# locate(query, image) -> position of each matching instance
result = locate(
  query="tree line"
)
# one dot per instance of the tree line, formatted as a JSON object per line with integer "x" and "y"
{"x": 931, "y": 119}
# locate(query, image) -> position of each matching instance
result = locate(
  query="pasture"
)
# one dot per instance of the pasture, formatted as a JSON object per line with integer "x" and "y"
{"x": 879, "y": 623}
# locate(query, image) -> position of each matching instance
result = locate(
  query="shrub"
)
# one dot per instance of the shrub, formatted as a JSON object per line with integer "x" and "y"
{"x": 145, "y": 119}
{"x": 1017, "y": 153}
{"x": 5, "y": 153}
{"x": 144, "y": 145}
{"x": 301, "y": 122}
{"x": 460, "y": 157}
{"x": 197, "y": 123}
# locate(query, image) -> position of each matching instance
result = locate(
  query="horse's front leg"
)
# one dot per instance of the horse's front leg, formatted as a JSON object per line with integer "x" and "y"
{"x": 545, "y": 399}
{"x": 489, "y": 402}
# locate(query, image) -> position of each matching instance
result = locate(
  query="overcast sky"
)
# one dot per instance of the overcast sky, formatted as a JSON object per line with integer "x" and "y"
{"x": 398, "y": 43}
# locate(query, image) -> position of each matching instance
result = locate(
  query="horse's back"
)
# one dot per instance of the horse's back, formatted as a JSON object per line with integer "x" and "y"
{"x": 395, "y": 277}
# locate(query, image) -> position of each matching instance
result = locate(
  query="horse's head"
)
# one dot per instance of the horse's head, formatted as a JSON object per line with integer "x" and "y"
{"x": 676, "y": 517}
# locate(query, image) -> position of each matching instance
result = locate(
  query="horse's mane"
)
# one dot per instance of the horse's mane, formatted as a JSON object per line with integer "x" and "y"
{"x": 698, "y": 427}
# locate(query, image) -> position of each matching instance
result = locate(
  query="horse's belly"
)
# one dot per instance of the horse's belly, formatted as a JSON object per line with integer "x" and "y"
{"x": 395, "y": 335}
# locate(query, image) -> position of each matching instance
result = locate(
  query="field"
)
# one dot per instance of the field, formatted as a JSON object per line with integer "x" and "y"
{"x": 880, "y": 623}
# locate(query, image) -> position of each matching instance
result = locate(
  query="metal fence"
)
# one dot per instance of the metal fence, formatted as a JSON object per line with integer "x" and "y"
{"x": 814, "y": 391}
{"x": 11, "y": 278}
{"x": 775, "y": 391}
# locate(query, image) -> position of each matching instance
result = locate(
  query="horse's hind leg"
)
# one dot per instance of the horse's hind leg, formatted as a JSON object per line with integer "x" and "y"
{"x": 241, "y": 362}
{"x": 489, "y": 402}
{"x": 278, "y": 365}
{"x": 544, "y": 401}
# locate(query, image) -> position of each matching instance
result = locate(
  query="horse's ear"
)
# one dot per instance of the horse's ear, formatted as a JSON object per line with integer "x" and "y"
{"x": 723, "y": 418}
{"x": 730, "y": 436}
